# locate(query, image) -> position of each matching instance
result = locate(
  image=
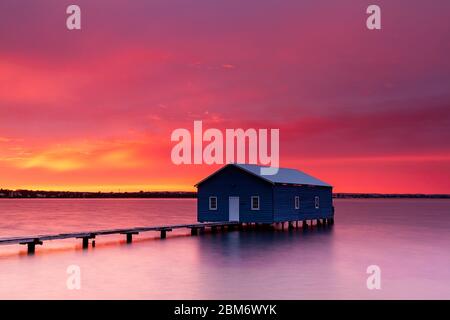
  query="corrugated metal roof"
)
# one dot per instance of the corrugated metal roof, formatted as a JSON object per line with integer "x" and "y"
{"x": 284, "y": 175}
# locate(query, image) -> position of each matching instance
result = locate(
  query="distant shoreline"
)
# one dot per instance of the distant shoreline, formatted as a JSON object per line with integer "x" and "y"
{"x": 26, "y": 194}
{"x": 389, "y": 196}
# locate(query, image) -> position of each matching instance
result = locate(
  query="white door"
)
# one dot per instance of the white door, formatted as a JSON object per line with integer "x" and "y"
{"x": 233, "y": 207}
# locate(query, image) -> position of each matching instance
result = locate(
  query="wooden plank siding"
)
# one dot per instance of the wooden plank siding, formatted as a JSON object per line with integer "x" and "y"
{"x": 276, "y": 200}
{"x": 232, "y": 182}
{"x": 284, "y": 197}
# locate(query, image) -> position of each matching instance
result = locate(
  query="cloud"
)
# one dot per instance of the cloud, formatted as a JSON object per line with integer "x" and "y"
{"x": 228, "y": 66}
{"x": 82, "y": 155}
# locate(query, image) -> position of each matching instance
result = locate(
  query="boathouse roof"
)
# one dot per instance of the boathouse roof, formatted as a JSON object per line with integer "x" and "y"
{"x": 283, "y": 176}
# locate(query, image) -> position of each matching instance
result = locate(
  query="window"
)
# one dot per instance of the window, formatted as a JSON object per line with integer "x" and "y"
{"x": 255, "y": 202}
{"x": 212, "y": 203}
{"x": 297, "y": 202}
{"x": 316, "y": 202}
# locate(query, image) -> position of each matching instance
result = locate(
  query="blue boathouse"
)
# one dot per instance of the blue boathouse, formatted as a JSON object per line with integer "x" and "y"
{"x": 239, "y": 192}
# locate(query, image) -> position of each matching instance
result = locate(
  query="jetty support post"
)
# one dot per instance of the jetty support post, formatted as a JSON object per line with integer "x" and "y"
{"x": 164, "y": 232}
{"x": 129, "y": 235}
{"x": 305, "y": 225}
{"x": 290, "y": 225}
{"x": 85, "y": 240}
{"x": 31, "y": 245}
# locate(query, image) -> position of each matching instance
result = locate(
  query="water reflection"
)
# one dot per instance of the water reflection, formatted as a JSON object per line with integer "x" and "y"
{"x": 328, "y": 263}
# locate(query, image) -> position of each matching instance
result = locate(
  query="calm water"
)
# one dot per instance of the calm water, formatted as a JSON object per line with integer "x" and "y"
{"x": 408, "y": 239}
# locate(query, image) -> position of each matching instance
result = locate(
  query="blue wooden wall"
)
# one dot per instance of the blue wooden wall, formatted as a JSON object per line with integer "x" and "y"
{"x": 284, "y": 209}
{"x": 276, "y": 201}
{"x": 233, "y": 182}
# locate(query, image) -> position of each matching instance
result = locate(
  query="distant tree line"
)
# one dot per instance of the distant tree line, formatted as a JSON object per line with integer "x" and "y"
{"x": 387, "y": 195}
{"x": 5, "y": 193}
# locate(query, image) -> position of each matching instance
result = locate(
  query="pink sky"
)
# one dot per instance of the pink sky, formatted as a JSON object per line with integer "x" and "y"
{"x": 367, "y": 111}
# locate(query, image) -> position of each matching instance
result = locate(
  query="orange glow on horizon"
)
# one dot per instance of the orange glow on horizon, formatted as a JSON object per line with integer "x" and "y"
{"x": 104, "y": 188}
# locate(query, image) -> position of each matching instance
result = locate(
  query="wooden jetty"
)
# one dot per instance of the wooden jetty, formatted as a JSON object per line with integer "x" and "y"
{"x": 33, "y": 241}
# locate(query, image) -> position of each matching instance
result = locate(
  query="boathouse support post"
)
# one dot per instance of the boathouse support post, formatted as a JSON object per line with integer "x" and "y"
{"x": 304, "y": 225}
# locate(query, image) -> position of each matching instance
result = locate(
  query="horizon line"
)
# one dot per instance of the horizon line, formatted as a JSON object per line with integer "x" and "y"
{"x": 191, "y": 191}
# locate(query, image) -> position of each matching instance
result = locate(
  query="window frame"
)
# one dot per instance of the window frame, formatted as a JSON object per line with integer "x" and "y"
{"x": 297, "y": 202}
{"x": 209, "y": 203}
{"x": 317, "y": 202}
{"x": 251, "y": 203}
